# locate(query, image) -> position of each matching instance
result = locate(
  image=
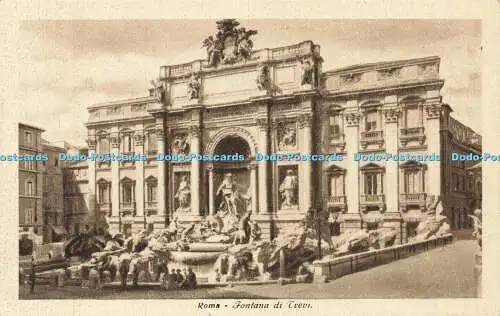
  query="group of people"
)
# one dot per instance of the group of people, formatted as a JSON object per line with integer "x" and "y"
{"x": 176, "y": 279}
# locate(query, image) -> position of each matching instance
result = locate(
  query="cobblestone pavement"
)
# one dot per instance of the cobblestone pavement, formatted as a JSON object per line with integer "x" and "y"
{"x": 445, "y": 272}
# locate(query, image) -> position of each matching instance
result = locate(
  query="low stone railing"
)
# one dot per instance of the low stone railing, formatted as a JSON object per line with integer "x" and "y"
{"x": 335, "y": 268}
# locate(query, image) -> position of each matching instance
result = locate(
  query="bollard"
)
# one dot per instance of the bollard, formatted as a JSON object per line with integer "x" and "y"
{"x": 282, "y": 264}
{"x": 478, "y": 267}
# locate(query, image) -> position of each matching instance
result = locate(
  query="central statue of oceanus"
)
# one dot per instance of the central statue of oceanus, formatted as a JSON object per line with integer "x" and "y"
{"x": 230, "y": 45}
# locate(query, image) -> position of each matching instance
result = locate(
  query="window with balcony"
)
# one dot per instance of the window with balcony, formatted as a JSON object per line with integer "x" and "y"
{"x": 371, "y": 118}
{"x": 371, "y": 183}
{"x": 127, "y": 143}
{"x": 413, "y": 181}
{"x": 413, "y": 117}
{"x": 127, "y": 194}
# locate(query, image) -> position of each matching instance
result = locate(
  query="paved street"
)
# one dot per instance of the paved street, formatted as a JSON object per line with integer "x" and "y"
{"x": 445, "y": 272}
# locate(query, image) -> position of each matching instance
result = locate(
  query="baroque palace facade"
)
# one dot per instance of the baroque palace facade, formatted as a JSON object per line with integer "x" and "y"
{"x": 280, "y": 101}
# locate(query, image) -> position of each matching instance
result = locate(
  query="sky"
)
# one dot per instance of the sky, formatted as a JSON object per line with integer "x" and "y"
{"x": 71, "y": 64}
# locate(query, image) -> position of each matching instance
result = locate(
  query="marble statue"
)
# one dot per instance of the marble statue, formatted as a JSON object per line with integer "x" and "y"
{"x": 307, "y": 73}
{"x": 263, "y": 78}
{"x": 183, "y": 194}
{"x": 228, "y": 191}
{"x": 288, "y": 189}
{"x": 478, "y": 227}
{"x": 193, "y": 88}
{"x": 159, "y": 90}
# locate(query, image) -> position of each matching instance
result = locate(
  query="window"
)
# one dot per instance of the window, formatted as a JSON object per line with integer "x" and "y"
{"x": 371, "y": 121}
{"x": 30, "y": 165}
{"x": 335, "y": 130}
{"x": 412, "y": 181}
{"x": 56, "y": 162}
{"x": 103, "y": 192}
{"x": 151, "y": 194}
{"x": 127, "y": 143}
{"x": 128, "y": 190}
{"x": 29, "y": 188}
{"x": 28, "y": 138}
{"x": 29, "y": 216}
{"x": 103, "y": 145}
{"x": 336, "y": 185}
{"x": 371, "y": 184}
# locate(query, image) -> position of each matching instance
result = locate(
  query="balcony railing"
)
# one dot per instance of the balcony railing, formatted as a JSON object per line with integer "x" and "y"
{"x": 127, "y": 209}
{"x": 151, "y": 204}
{"x": 336, "y": 200}
{"x": 372, "y": 135}
{"x": 372, "y": 198}
{"x": 413, "y": 197}
{"x": 412, "y": 131}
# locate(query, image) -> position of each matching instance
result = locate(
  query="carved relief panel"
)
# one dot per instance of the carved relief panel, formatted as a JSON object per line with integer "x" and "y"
{"x": 286, "y": 136}
{"x": 180, "y": 144}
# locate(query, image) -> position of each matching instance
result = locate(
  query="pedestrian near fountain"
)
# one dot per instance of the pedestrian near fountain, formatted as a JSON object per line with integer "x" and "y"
{"x": 191, "y": 282}
{"x": 162, "y": 268}
{"x": 179, "y": 278}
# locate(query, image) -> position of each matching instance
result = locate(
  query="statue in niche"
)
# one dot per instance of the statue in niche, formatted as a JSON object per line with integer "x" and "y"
{"x": 263, "y": 79}
{"x": 180, "y": 145}
{"x": 288, "y": 137}
{"x": 193, "y": 89}
{"x": 229, "y": 192}
{"x": 308, "y": 72}
{"x": 243, "y": 43}
{"x": 183, "y": 195}
{"x": 159, "y": 90}
{"x": 288, "y": 189}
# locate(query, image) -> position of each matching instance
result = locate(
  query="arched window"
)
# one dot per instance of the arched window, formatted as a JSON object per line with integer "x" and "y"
{"x": 127, "y": 192}
{"x": 413, "y": 174}
{"x": 151, "y": 191}
{"x": 372, "y": 176}
{"x": 127, "y": 141}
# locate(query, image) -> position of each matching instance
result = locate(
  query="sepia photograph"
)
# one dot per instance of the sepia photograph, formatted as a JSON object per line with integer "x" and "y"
{"x": 250, "y": 159}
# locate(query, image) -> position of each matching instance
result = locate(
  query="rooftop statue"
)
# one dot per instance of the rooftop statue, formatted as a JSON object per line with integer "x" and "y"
{"x": 230, "y": 44}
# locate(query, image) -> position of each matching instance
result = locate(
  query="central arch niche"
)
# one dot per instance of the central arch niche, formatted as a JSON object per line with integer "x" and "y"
{"x": 231, "y": 145}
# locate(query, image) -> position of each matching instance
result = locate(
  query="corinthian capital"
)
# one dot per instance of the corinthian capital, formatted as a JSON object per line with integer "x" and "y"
{"x": 391, "y": 115}
{"x": 194, "y": 131}
{"x": 115, "y": 141}
{"x": 263, "y": 123}
{"x": 305, "y": 120}
{"x": 139, "y": 139}
{"x": 92, "y": 143}
{"x": 352, "y": 118}
{"x": 433, "y": 111}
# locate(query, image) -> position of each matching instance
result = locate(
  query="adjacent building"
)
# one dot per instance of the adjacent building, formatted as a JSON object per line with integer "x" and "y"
{"x": 30, "y": 183}
{"x": 275, "y": 102}
{"x": 52, "y": 193}
{"x": 76, "y": 197}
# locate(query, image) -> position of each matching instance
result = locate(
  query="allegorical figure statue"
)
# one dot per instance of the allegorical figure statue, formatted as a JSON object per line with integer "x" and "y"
{"x": 180, "y": 145}
{"x": 183, "y": 194}
{"x": 478, "y": 227}
{"x": 159, "y": 90}
{"x": 193, "y": 89}
{"x": 228, "y": 191}
{"x": 307, "y": 72}
{"x": 263, "y": 78}
{"x": 288, "y": 138}
{"x": 288, "y": 189}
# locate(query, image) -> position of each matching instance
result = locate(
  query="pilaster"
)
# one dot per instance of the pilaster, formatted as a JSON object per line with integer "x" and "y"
{"x": 433, "y": 116}
{"x": 391, "y": 115}
{"x": 139, "y": 169}
{"x": 263, "y": 148}
{"x": 115, "y": 176}
{"x": 305, "y": 167}
{"x": 161, "y": 176}
{"x": 195, "y": 170}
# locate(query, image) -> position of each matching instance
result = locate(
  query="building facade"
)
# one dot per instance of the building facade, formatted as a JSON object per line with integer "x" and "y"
{"x": 30, "y": 183}
{"x": 272, "y": 102}
{"x": 53, "y": 193}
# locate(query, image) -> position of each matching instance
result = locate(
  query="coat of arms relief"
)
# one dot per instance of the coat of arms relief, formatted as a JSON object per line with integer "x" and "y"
{"x": 230, "y": 44}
